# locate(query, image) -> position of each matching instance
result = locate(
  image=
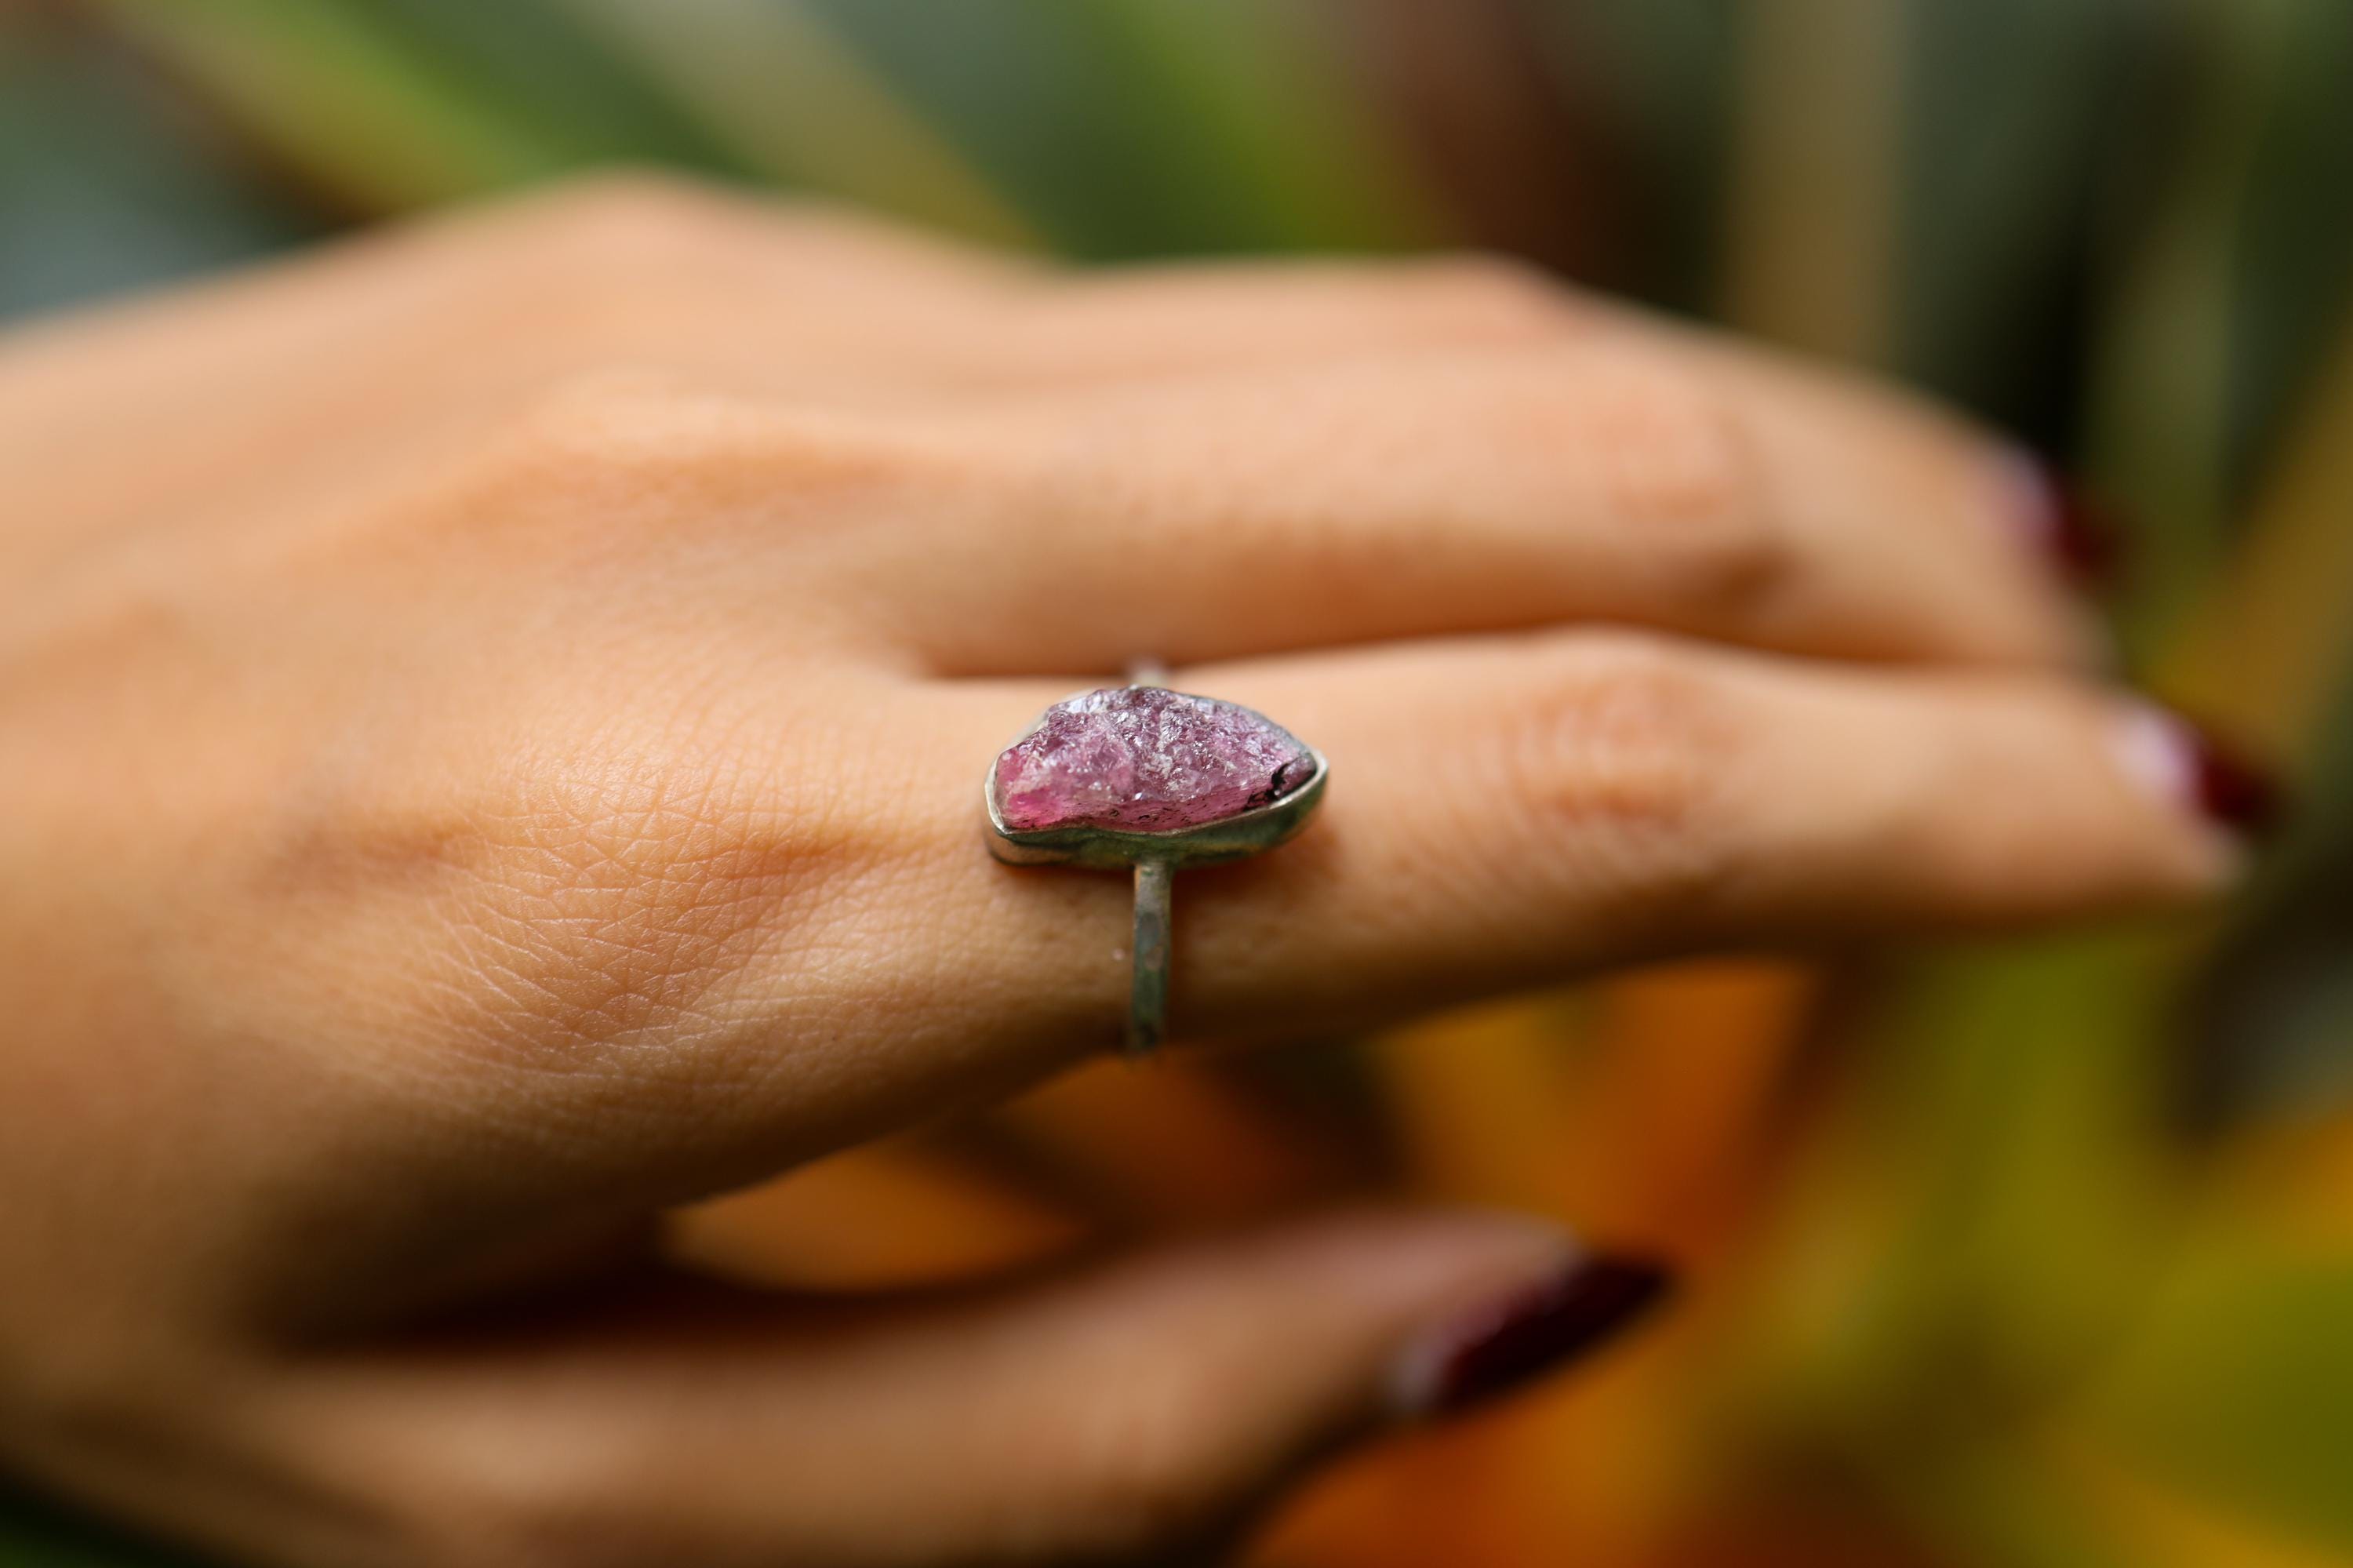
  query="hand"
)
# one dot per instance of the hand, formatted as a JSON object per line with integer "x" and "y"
{"x": 490, "y": 727}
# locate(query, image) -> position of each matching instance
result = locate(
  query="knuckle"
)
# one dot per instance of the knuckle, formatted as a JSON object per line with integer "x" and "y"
{"x": 558, "y": 475}
{"x": 594, "y": 443}
{"x": 596, "y": 423}
{"x": 1625, "y": 759}
{"x": 619, "y": 456}
{"x": 1681, "y": 470}
{"x": 1489, "y": 294}
{"x": 1146, "y": 1468}
{"x": 541, "y": 1504}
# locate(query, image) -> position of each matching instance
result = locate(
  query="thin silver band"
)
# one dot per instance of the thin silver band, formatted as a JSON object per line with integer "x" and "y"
{"x": 1147, "y": 1006}
{"x": 1154, "y": 859}
{"x": 1155, "y": 884}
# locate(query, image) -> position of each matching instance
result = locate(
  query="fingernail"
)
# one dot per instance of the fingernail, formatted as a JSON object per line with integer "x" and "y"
{"x": 1513, "y": 1340}
{"x": 2187, "y": 763}
{"x": 2080, "y": 539}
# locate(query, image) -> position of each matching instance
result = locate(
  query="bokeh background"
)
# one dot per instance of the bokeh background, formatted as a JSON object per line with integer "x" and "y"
{"x": 2038, "y": 1253}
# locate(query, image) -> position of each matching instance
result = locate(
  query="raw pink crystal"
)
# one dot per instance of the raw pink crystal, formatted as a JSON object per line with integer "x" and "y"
{"x": 1146, "y": 761}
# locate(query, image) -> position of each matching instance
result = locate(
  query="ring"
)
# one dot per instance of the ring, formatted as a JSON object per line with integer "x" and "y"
{"x": 1142, "y": 777}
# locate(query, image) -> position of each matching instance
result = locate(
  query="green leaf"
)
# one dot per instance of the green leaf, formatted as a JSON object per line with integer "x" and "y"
{"x": 2006, "y": 134}
{"x": 2238, "y": 1386}
{"x": 2294, "y": 229}
{"x": 536, "y": 62}
{"x": 101, "y": 190}
{"x": 791, "y": 100}
{"x": 1663, "y": 74}
{"x": 347, "y": 98}
{"x": 1145, "y": 127}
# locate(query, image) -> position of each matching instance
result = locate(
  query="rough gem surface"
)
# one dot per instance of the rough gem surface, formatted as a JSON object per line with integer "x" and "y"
{"x": 1143, "y": 760}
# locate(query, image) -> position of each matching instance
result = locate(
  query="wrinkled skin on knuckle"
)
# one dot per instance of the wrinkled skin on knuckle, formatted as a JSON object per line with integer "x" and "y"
{"x": 621, "y": 505}
{"x": 625, "y": 458}
{"x": 1682, "y": 473}
{"x": 678, "y": 467}
{"x": 1625, "y": 766}
{"x": 608, "y": 466}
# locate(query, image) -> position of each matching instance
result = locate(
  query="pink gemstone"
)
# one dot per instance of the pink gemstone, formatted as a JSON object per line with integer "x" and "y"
{"x": 1146, "y": 761}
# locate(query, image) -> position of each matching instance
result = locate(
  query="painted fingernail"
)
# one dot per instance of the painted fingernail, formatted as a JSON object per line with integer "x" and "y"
{"x": 2188, "y": 765}
{"x": 2082, "y": 539}
{"x": 1511, "y": 1341}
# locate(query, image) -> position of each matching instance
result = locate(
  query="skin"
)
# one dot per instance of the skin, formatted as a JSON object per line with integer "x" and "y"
{"x": 491, "y": 719}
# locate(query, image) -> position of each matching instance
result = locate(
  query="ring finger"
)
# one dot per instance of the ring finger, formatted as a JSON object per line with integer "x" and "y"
{"x": 1502, "y": 813}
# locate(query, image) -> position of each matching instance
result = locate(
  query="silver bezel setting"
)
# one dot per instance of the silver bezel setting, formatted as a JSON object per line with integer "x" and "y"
{"x": 1155, "y": 858}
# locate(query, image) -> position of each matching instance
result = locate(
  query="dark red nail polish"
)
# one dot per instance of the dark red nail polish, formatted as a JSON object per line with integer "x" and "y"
{"x": 2227, "y": 786}
{"x": 1513, "y": 1340}
{"x": 2079, "y": 535}
{"x": 2191, "y": 766}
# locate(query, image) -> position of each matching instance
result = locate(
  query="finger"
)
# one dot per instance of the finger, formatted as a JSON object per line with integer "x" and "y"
{"x": 1621, "y": 478}
{"x": 1505, "y": 812}
{"x": 1134, "y": 1409}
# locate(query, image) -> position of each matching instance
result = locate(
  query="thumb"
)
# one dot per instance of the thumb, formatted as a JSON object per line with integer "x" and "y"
{"x": 1141, "y": 1407}
{"x": 1161, "y": 1401}
{"x": 1168, "y": 1398}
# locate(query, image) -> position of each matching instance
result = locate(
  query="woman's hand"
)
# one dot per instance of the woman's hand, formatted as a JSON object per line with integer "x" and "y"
{"x": 491, "y": 721}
